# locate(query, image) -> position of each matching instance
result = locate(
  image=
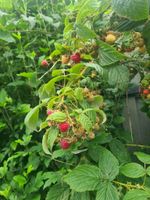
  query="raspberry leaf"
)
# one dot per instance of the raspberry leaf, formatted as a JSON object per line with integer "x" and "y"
{"x": 84, "y": 178}
{"x": 107, "y": 192}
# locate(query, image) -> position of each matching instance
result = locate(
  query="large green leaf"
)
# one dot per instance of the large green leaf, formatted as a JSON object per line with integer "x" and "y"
{"x": 143, "y": 157}
{"x": 87, "y": 8}
{"x": 108, "y": 164}
{"x": 52, "y": 135}
{"x": 108, "y": 55}
{"x": 83, "y": 178}
{"x": 80, "y": 196}
{"x": 118, "y": 76}
{"x": 94, "y": 150}
{"x": 58, "y": 192}
{"x": 120, "y": 151}
{"x": 133, "y": 170}
{"x": 45, "y": 143}
{"x": 128, "y": 25}
{"x": 84, "y": 32}
{"x": 136, "y": 195}
{"x": 32, "y": 117}
{"x": 132, "y": 9}
{"x": 107, "y": 192}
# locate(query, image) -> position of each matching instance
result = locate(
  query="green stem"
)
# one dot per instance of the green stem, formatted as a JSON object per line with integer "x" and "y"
{"x": 129, "y": 185}
{"x": 145, "y": 176}
{"x": 49, "y": 70}
{"x": 138, "y": 145}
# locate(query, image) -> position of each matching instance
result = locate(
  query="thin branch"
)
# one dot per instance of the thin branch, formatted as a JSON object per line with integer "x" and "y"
{"x": 49, "y": 70}
{"x": 129, "y": 185}
{"x": 138, "y": 145}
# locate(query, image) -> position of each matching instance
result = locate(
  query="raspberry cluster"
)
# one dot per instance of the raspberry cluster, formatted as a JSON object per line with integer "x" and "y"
{"x": 71, "y": 130}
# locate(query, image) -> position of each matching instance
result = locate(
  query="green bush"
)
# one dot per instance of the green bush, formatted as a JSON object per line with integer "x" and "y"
{"x": 66, "y": 67}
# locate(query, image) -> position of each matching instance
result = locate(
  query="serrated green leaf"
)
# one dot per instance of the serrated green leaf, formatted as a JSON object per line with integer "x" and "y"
{"x": 107, "y": 191}
{"x": 83, "y": 178}
{"x": 45, "y": 145}
{"x": 57, "y": 117}
{"x": 79, "y": 93}
{"x": 108, "y": 164}
{"x": 58, "y": 192}
{"x": 87, "y": 8}
{"x": 85, "y": 122}
{"x": 52, "y": 135}
{"x": 133, "y": 9}
{"x": 120, "y": 151}
{"x": 143, "y": 157}
{"x": 108, "y": 55}
{"x": 80, "y": 196}
{"x": 118, "y": 76}
{"x": 94, "y": 151}
{"x": 92, "y": 115}
{"x": 84, "y": 32}
{"x": 136, "y": 195}
{"x": 133, "y": 170}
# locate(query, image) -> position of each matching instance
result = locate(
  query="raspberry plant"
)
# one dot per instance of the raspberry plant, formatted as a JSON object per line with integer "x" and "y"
{"x": 73, "y": 63}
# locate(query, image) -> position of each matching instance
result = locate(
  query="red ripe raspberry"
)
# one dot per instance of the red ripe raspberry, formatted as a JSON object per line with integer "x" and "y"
{"x": 146, "y": 91}
{"x": 75, "y": 57}
{"x": 44, "y": 63}
{"x": 64, "y": 127}
{"x": 64, "y": 144}
{"x": 49, "y": 112}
